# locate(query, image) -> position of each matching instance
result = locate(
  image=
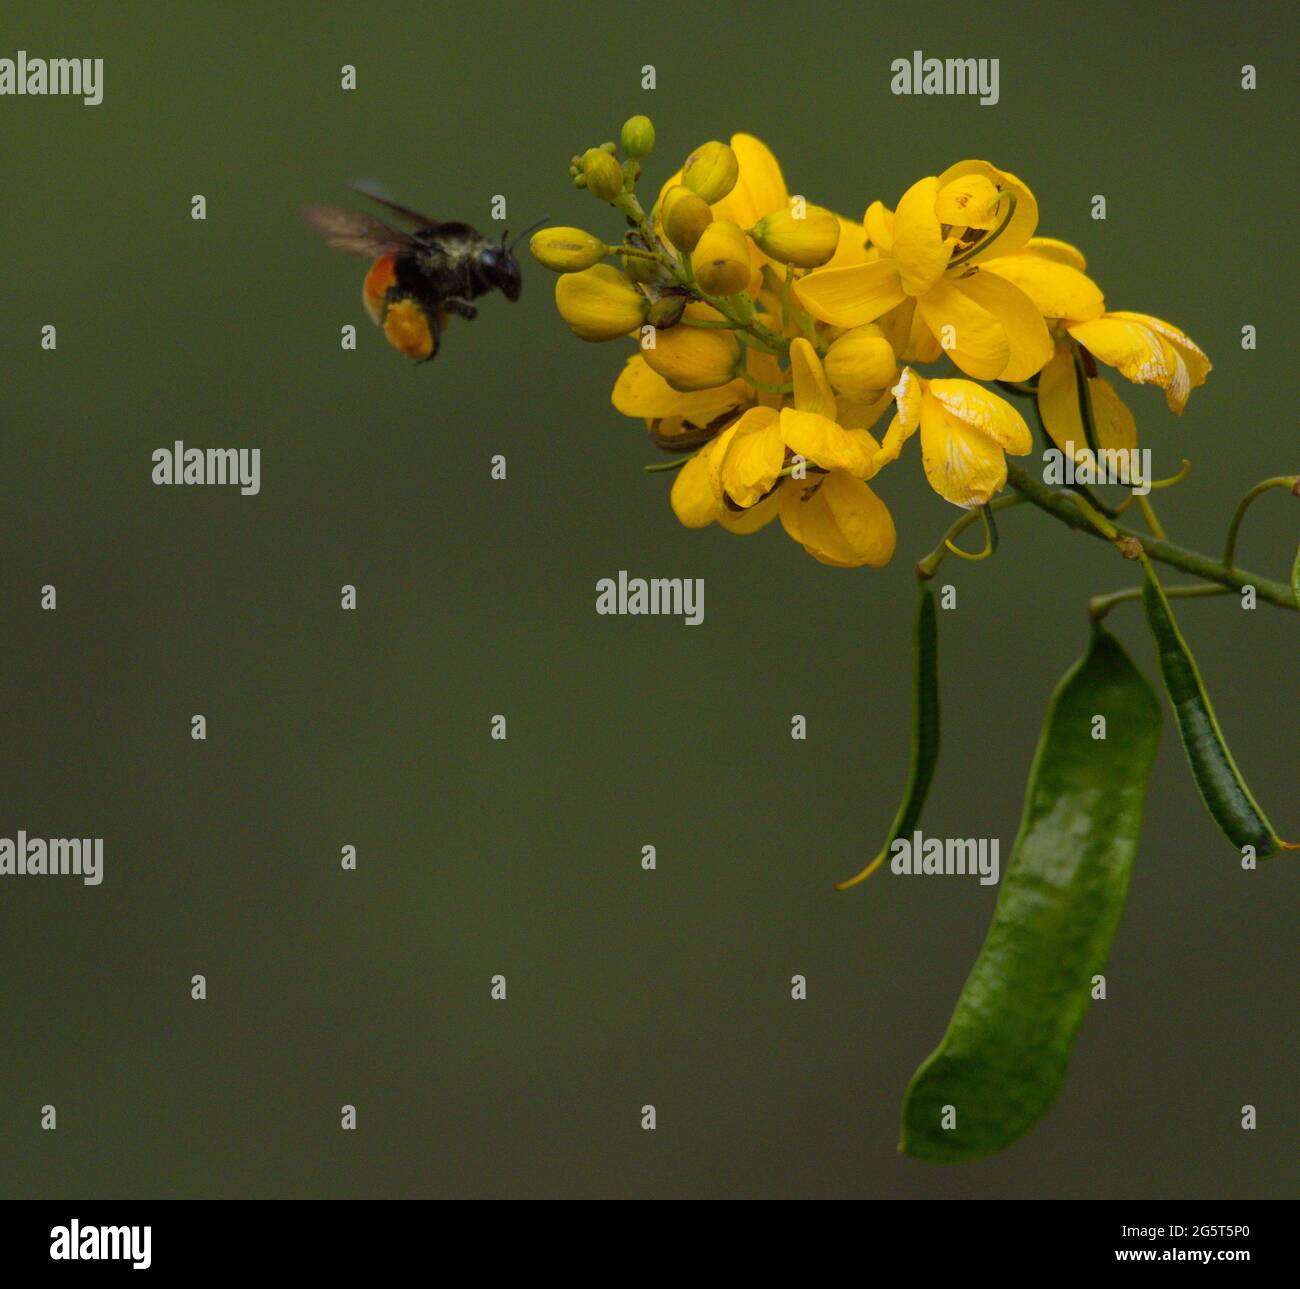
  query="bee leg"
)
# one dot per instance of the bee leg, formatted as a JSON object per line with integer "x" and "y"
{"x": 463, "y": 308}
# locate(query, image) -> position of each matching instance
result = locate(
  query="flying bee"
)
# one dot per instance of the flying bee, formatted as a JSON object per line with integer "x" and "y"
{"x": 418, "y": 279}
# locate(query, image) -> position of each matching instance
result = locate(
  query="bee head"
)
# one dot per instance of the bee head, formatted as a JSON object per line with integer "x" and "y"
{"x": 501, "y": 269}
{"x": 499, "y": 266}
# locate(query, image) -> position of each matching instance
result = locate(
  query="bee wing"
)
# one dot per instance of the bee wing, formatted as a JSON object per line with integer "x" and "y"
{"x": 420, "y": 221}
{"x": 350, "y": 230}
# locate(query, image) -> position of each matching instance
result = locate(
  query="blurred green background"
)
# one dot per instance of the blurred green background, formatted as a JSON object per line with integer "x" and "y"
{"x": 477, "y": 597}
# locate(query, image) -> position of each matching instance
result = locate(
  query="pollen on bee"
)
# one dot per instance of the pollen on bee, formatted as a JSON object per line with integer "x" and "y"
{"x": 408, "y": 330}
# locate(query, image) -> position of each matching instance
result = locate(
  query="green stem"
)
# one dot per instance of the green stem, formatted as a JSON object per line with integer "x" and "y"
{"x": 1062, "y": 506}
{"x": 1100, "y": 605}
{"x": 660, "y": 467}
{"x": 1019, "y": 387}
{"x": 633, "y": 252}
{"x": 926, "y": 567}
{"x": 680, "y": 268}
{"x": 1289, "y": 481}
{"x": 1149, "y": 514}
{"x": 1084, "y": 395}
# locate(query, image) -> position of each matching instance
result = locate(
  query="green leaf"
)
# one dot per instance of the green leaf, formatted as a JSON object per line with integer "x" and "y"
{"x": 925, "y": 728}
{"x": 1218, "y": 780}
{"x": 1002, "y": 1062}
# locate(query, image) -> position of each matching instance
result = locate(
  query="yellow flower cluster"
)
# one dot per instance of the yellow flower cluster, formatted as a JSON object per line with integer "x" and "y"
{"x": 773, "y": 334}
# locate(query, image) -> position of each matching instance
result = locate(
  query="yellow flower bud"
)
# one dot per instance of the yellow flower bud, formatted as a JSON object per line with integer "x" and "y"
{"x": 721, "y": 259}
{"x": 567, "y": 250}
{"x": 638, "y": 136}
{"x": 711, "y": 170}
{"x": 805, "y": 236}
{"x": 600, "y": 303}
{"x": 685, "y": 216}
{"x": 691, "y": 358}
{"x": 861, "y": 363}
{"x": 603, "y": 174}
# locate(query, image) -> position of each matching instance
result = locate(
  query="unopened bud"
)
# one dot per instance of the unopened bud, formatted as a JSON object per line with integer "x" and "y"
{"x": 603, "y": 174}
{"x": 805, "y": 237}
{"x": 720, "y": 260}
{"x": 861, "y": 363}
{"x": 567, "y": 250}
{"x": 711, "y": 171}
{"x": 685, "y": 216}
{"x": 691, "y": 358}
{"x": 638, "y": 136}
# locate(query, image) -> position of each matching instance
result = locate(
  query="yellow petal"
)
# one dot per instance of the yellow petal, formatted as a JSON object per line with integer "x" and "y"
{"x": 851, "y": 296}
{"x": 756, "y": 517}
{"x": 822, "y": 441}
{"x": 909, "y": 393}
{"x": 1051, "y": 248}
{"x": 759, "y": 190}
{"x": 852, "y": 248}
{"x": 1133, "y": 349}
{"x": 1058, "y": 402}
{"x": 963, "y": 465}
{"x": 640, "y": 391}
{"x": 970, "y": 335}
{"x": 1111, "y": 417}
{"x": 644, "y": 393}
{"x": 911, "y": 339}
{"x": 699, "y": 500}
{"x": 695, "y": 499}
{"x": 812, "y": 391}
{"x": 839, "y": 521}
{"x": 922, "y": 344}
{"x": 1058, "y": 405}
{"x": 879, "y": 225}
{"x": 919, "y": 248}
{"x": 854, "y": 415}
{"x": 754, "y": 458}
{"x": 1023, "y": 221}
{"x": 970, "y": 201}
{"x": 984, "y": 411}
{"x": 1192, "y": 356}
{"x": 1030, "y": 345}
{"x": 1057, "y": 290}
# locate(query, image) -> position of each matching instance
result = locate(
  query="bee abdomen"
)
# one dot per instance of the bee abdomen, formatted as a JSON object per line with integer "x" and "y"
{"x": 374, "y": 291}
